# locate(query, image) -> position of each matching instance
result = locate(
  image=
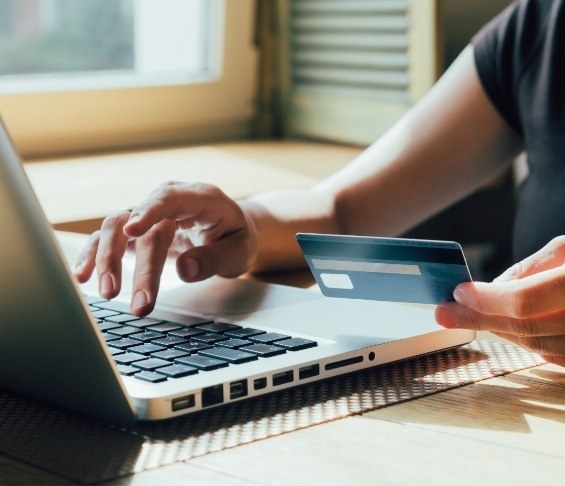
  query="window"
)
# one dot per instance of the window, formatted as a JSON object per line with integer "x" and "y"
{"x": 73, "y": 44}
{"x": 80, "y": 75}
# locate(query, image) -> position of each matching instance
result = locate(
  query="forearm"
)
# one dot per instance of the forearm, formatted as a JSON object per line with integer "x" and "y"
{"x": 451, "y": 143}
{"x": 448, "y": 145}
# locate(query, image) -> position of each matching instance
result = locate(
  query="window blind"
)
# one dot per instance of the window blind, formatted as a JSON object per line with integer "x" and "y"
{"x": 355, "y": 66}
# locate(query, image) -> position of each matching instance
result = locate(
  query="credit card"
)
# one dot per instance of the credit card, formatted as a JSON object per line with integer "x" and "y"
{"x": 388, "y": 269}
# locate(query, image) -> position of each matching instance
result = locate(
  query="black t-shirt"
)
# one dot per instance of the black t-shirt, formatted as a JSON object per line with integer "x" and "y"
{"x": 520, "y": 59}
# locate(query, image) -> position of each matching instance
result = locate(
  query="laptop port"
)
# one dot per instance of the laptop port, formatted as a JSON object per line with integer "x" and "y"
{"x": 212, "y": 395}
{"x": 238, "y": 389}
{"x": 181, "y": 403}
{"x": 308, "y": 371}
{"x": 344, "y": 362}
{"x": 283, "y": 377}
{"x": 260, "y": 383}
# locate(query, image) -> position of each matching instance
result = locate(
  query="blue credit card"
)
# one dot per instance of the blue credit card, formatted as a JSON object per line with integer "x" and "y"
{"x": 389, "y": 269}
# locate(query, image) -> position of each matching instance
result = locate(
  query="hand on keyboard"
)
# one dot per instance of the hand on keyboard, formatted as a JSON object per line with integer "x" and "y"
{"x": 204, "y": 230}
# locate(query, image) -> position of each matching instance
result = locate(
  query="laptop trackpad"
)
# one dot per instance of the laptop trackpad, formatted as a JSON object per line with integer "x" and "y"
{"x": 233, "y": 297}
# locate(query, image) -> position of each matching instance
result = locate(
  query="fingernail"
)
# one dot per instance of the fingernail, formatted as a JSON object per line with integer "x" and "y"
{"x": 460, "y": 296}
{"x": 191, "y": 268}
{"x": 139, "y": 300}
{"x": 106, "y": 284}
{"x": 446, "y": 317}
{"x": 134, "y": 218}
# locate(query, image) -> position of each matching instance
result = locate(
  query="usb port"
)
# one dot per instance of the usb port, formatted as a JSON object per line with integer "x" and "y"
{"x": 308, "y": 371}
{"x": 238, "y": 389}
{"x": 260, "y": 383}
{"x": 283, "y": 377}
{"x": 182, "y": 402}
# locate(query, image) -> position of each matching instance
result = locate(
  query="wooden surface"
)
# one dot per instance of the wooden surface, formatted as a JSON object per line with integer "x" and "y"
{"x": 507, "y": 430}
{"x": 76, "y": 193}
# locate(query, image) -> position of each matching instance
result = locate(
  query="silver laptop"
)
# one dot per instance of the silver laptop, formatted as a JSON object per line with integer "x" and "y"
{"x": 206, "y": 344}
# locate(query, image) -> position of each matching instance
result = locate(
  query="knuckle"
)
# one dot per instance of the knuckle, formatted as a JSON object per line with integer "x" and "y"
{"x": 521, "y": 303}
{"x": 558, "y": 242}
{"x": 524, "y": 327}
{"x": 112, "y": 220}
{"x": 104, "y": 262}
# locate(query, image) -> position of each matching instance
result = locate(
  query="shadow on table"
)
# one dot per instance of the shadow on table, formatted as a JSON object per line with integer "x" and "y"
{"x": 87, "y": 451}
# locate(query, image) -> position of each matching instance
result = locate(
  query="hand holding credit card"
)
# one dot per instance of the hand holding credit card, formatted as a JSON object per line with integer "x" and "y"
{"x": 388, "y": 269}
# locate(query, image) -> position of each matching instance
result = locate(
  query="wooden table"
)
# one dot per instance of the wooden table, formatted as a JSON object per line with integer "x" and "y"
{"x": 506, "y": 430}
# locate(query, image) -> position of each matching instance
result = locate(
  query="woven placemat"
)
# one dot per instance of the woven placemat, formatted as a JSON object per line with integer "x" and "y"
{"x": 88, "y": 451}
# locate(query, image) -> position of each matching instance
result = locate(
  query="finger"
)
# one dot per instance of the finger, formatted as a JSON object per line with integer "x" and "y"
{"x": 453, "y": 315}
{"x": 151, "y": 254}
{"x": 190, "y": 203}
{"x": 550, "y": 256}
{"x": 558, "y": 360}
{"x": 529, "y": 296}
{"x": 228, "y": 257}
{"x": 550, "y": 346}
{"x": 86, "y": 261}
{"x": 111, "y": 248}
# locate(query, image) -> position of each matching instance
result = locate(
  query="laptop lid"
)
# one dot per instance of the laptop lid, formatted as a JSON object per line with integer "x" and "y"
{"x": 49, "y": 348}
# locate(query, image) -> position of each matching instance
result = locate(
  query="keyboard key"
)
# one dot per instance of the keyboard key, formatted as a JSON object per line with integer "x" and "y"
{"x": 124, "y": 331}
{"x": 264, "y": 350}
{"x": 123, "y": 343}
{"x": 105, "y": 326}
{"x": 110, "y": 337}
{"x": 115, "y": 351}
{"x": 218, "y": 327}
{"x": 245, "y": 332}
{"x": 164, "y": 327}
{"x": 145, "y": 322}
{"x": 209, "y": 338}
{"x": 127, "y": 370}
{"x": 147, "y": 348}
{"x": 128, "y": 358}
{"x": 186, "y": 332}
{"x": 147, "y": 336}
{"x": 296, "y": 344}
{"x": 121, "y": 318}
{"x": 150, "y": 376}
{"x": 230, "y": 355}
{"x": 151, "y": 364}
{"x": 202, "y": 362}
{"x": 234, "y": 343}
{"x": 192, "y": 347}
{"x": 103, "y": 313}
{"x": 177, "y": 370}
{"x": 169, "y": 341}
{"x": 269, "y": 338}
{"x": 114, "y": 305}
{"x": 170, "y": 354}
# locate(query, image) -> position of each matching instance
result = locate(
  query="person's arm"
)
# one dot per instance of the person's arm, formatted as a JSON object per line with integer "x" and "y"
{"x": 452, "y": 142}
{"x": 448, "y": 145}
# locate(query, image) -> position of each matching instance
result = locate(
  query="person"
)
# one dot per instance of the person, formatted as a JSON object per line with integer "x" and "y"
{"x": 503, "y": 95}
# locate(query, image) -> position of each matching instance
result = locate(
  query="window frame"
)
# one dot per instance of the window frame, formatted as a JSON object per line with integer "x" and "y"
{"x": 83, "y": 120}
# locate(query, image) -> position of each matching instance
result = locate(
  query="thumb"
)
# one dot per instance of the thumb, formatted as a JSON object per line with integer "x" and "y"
{"x": 227, "y": 257}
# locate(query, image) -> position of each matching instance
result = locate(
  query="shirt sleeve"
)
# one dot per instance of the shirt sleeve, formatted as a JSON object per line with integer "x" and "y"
{"x": 503, "y": 49}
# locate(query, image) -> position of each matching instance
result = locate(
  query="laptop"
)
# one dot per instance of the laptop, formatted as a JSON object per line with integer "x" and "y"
{"x": 205, "y": 345}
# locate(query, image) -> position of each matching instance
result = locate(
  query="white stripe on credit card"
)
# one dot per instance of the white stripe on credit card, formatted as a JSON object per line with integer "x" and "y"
{"x": 348, "y": 266}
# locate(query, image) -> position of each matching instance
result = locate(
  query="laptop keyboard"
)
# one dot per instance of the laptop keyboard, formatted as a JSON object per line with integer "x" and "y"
{"x": 155, "y": 350}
